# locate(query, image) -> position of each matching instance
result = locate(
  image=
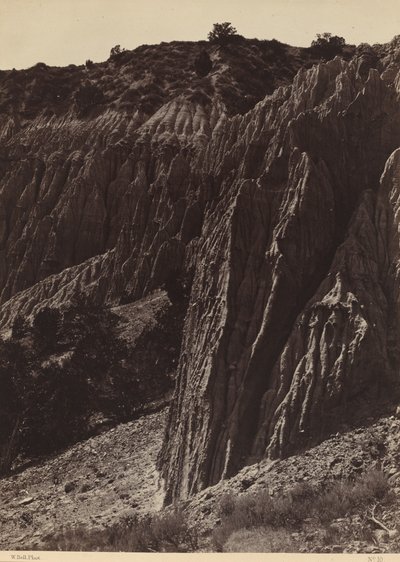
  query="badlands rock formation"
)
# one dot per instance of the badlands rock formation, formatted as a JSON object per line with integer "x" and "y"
{"x": 280, "y": 223}
{"x": 293, "y": 319}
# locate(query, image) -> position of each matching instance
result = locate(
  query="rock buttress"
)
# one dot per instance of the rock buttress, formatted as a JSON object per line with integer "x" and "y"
{"x": 291, "y": 320}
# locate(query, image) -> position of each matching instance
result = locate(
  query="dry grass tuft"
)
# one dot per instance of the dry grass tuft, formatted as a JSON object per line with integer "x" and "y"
{"x": 304, "y": 501}
{"x": 168, "y": 532}
{"x": 266, "y": 539}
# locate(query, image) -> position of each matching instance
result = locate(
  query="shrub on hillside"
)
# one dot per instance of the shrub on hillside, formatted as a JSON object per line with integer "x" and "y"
{"x": 119, "y": 56}
{"x": 116, "y": 51}
{"x": 267, "y": 539}
{"x": 87, "y": 96}
{"x": 19, "y": 328}
{"x": 202, "y": 64}
{"x": 276, "y": 46}
{"x": 327, "y": 45}
{"x": 11, "y": 409}
{"x": 41, "y": 66}
{"x": 303, "y": 501}
{"x": 166, "y": 532}
{"x": 45, "y": 328}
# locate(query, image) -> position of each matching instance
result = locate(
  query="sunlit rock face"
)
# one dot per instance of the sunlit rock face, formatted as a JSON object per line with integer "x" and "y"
{"x": 281, "y": 225}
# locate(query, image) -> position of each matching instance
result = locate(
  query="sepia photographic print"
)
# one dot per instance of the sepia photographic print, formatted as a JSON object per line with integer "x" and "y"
{"x": 199, "y": 279}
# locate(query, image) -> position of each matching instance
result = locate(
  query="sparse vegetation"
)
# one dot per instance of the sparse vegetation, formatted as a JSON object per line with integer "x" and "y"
{"x": 151, "y": 75}
{"x": 254, "y": 522}
{"x": 260, "y": 510}
{"x": 116, "y": 51}
{"x": 166, "y": 532}
{"x": 71, "y": 368}
{"x": 266, "y": 539}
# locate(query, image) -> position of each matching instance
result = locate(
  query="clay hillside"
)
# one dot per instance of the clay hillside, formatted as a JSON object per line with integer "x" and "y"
{"x": 199, "y": 299}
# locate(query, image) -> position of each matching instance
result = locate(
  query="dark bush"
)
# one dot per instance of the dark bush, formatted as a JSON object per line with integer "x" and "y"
{"x": 11, "y": 408}
{"x": 222, "y": 33}
{"x": 202, "y": 64}
{"x": 87, "y": 96}
{"x": 328, "y": 45}
{"x": 19, "y": 328}
{"x": 40, "y": 66}
{"x": 115, "y": 51}
{"x": 277, "y": 48}
{"x": 45, "y": 328}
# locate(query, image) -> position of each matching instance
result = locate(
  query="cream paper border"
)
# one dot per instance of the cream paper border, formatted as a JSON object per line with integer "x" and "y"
{"x": 45, "y": 556}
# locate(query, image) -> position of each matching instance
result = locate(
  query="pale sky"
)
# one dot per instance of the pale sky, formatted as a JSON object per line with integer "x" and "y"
{"x": 61, "y": 32}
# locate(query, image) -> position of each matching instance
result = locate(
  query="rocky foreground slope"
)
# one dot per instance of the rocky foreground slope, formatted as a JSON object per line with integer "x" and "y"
{"x": 89, "y": 497}
{"x": 81, "y": 487}
{"x": 278, "y": 224}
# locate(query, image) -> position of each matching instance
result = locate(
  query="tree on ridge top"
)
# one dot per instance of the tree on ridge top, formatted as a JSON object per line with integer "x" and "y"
{"x": 222, "y": 33}
{"x": 328, "y": 45}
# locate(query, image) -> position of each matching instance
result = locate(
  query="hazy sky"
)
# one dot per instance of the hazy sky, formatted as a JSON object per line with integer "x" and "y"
{"x": 60, "y": 32}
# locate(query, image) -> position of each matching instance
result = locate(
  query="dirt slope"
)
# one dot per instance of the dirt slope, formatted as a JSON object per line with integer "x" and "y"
{"x": 92, "y": 484}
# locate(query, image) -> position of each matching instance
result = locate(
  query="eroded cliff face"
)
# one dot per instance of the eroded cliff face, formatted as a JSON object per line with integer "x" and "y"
{"x": 108, "y": 214}
{"x": 293, "y": 321}
{"x": 276, "y": 222}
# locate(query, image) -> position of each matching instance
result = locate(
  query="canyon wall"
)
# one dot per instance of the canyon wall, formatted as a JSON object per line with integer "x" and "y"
{"x": 292, "y": 327}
